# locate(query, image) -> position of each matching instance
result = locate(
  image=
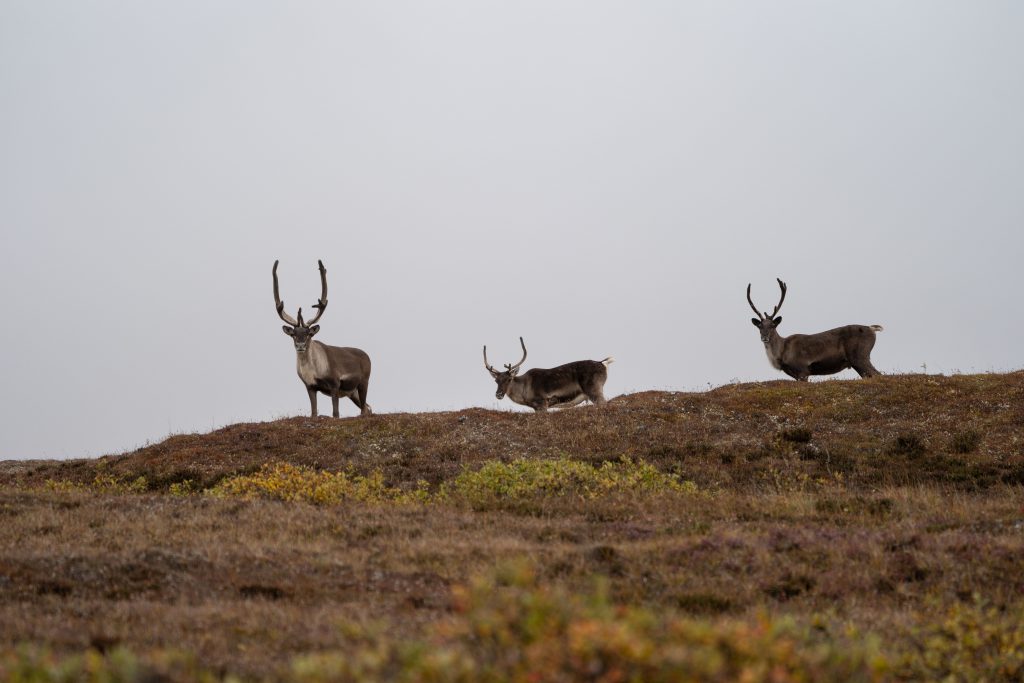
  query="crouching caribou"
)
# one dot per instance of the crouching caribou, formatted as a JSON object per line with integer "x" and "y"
{"x": 824, "y": 353}
{"x": 332, "y": 370}
{"x": 562, "y": 387}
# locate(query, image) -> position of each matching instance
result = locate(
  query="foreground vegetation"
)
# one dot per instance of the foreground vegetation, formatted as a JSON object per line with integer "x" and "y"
{"x": 867, "y": 530}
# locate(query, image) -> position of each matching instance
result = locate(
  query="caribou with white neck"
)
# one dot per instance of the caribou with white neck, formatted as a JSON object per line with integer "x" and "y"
{"x": 336, "y": 371}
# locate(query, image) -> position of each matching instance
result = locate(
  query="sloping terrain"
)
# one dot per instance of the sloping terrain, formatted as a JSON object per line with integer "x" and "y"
{"x": 895, "y": 430}
{"x": 882, "y": 508}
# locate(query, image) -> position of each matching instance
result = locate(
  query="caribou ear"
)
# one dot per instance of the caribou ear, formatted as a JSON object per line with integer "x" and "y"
{"x": 288, "y": 330}
{"x": 313, "y": 330}
{"x": 757, "y": 323}
{"x": 777, "y": 321}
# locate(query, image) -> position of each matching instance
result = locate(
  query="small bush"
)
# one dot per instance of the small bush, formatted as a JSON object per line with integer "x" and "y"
{"x": 118, "y": 665}
{"x": 101, "y": 483}
{"x": 282, "y": 481}
{"x": 183, "y": 488}
{"x": 973, "y": 642}
{"x": 796, "y": 435}
{"x": 498, "y": 484}
{"x": 908, "y": 444}
{"x": 511, "y": 628}
{"x": 965, "y": 442}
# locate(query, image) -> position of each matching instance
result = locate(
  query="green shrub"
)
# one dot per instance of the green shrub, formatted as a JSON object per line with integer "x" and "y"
{"x": 35, "y": 665}
{"x": 973, "y": 642}
{"x": 497, "y": 484}
{"x": 508, "y": 627}
{"x": 283, "y": 481}
{"x": 101, "y": 483}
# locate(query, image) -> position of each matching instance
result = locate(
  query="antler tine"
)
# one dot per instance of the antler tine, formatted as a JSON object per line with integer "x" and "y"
{"x": 486, "y": 364}
{"x": 750, "y": 301}
{"x": 321, "y": 305}
{"x": 782, "y": 286}
{"x": 280, "y": 304}
{"x": 521, "y": 360}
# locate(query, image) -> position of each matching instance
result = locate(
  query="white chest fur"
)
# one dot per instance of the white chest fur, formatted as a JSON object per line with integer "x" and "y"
{"x": 773, "y": 359}
{"x": 311, "y": 364}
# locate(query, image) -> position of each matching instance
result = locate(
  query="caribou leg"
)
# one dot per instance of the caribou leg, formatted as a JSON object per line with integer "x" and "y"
{"x": 571, "y": 402}
{"x": 594, "y": 390}
{"x": 866, "y": 369}
{"x": 359, "y": 398}
{"x": 334, "y": 403}
{"x": 312, "y": 401}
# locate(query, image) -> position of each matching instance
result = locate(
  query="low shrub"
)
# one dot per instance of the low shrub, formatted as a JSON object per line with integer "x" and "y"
{"x": 909, "y": 444}
{"x": 101, "y": 483}
{"x": 283, "y": 481}
{"x": 796, "y": 435}
{"x": 972, "y": 642}
{"x": 964, "y": 442}
{"x": 508, "y": 627}
{"x": 500, "y": 484}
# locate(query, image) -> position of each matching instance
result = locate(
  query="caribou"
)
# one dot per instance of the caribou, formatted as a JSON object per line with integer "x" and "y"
{"x": 336, "y": 371}
{"x": 562, "y": 387}
{"x": 824, "y": 353}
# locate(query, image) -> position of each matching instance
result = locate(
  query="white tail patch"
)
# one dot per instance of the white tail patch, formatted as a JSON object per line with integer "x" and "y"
{"x": 877, "y": 328}
{"x": 608, "y": 361}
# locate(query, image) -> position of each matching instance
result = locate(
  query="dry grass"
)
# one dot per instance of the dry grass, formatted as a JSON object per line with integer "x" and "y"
{"x": 857, "y": 504}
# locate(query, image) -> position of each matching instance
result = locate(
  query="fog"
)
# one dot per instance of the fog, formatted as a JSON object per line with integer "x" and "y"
{"x": 601, "y": 178}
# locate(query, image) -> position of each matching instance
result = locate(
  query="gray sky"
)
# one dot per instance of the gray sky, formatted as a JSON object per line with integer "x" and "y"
{"x": 603, "y": 178}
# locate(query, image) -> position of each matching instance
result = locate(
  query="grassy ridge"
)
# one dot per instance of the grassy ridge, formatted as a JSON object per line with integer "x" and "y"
{"x": 864, "y": 530}
{"x": 963, "y": 431}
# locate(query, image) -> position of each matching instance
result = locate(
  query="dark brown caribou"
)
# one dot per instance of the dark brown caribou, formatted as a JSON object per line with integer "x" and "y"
{"x": 562, "y": 387}
{"x": 824, "y": 353}
{"x": 336, "y": 371}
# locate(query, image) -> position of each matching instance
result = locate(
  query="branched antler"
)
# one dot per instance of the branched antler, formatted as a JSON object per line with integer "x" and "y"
{"x": 320, "y": 305}
{"x": 762, "y": 316}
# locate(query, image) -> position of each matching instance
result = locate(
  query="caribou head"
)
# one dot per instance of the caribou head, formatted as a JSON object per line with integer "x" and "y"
{"x": 764, "y": 322}
{"x": 505, "y": 377}
{"x": 300, "y": 331}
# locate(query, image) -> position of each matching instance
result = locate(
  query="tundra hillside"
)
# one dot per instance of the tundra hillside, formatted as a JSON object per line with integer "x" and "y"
{"x": 837, "y": 530}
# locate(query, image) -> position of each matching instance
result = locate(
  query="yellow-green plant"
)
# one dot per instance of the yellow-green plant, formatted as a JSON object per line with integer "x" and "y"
{"x": 283, "y": 481}
{"x": 497, "y": 483}
{"x": 973, "y": 642}
{"x": 510, "y": 627}
{"x": 101, "y": 483}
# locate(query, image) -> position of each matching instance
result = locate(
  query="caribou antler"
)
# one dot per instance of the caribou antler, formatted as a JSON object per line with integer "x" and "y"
{"x": 513, "y": 368}
{"x": 280, "y": 304}
{"x": 782, "y": 286}
{"x": 751, "y": 302}
{"x": 762, "y": 316}
{"x": 508, "y": 368}
{"x": 320, "y": 305}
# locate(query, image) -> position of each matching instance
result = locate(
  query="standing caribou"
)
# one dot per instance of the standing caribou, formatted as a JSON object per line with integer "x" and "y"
{"x": 332, "y": 370}
{"x": 562, "y": 387}
{"x": 824, "y": 353}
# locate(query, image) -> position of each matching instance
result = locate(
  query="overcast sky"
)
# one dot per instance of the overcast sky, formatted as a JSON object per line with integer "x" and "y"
{"x": 602, "y": 178}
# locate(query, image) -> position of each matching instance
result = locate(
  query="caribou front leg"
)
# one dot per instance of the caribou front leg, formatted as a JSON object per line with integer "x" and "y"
{"x": 334, "y": 403}
{"x": 312, "y": 401}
